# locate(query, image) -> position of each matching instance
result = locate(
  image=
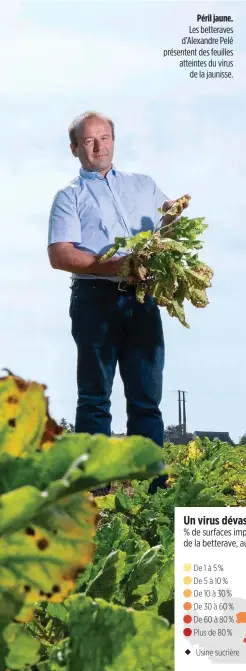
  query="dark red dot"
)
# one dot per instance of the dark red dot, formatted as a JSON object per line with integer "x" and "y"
{"x": 12, "y": 422}
{"x": 30, "y": 531}
{"x": 56, "y": 589}
{"x": 42, "y": 544}
{"x": 187, "y": 619}
{"x": 12, "y": 399}
{"x": 187, "y": 631}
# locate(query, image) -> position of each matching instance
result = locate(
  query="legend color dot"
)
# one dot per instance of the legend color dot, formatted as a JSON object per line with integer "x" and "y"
{"x": 187, "y": 619}
{"x": 187, "y": 631}
{"x": 187, "y": 567}
{"x": 187, "y": 580}
{"x": 187, "y": 605}
{"x": 187, "y": 592}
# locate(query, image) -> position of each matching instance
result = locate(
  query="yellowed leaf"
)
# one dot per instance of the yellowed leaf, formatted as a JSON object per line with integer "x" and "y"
{"x": 42, "y": 560}
{"x": 25, "y": 423}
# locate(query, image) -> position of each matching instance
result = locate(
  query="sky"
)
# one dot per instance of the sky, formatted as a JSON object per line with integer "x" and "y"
{"x": 60, "y": 59}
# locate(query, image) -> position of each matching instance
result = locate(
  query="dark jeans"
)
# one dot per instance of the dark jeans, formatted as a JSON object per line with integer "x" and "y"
{"x": 111, "y": 326}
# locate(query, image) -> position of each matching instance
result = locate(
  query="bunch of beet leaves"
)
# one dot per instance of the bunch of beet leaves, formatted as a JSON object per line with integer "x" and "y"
{"x": 167, "y": 264}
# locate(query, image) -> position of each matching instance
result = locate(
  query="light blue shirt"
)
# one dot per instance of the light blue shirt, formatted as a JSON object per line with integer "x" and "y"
{"x": 92, "y": 210}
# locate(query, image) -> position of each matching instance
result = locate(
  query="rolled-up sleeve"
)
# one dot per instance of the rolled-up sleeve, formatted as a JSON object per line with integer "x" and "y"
{"x": 64, "y": 222}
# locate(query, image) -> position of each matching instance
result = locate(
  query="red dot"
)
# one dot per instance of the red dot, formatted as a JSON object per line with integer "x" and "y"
{"x": 187, "y": 631}
{"x": 187, "y": 619}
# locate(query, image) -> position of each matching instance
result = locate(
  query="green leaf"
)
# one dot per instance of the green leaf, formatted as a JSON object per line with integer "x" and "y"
{"x": 144, "y": 574}
{"x": 198, "y": 297}
{"x": 58, "y": 660}
{"x": 123, "y": 459}
{"x": 134, "y": 547}
{"x": 177, "y": 310}
{"x": 107, "y": 580}
{"x": 123, "y": 503}
{"x": 10, "y": 604}
{"x": 118, "y": 243}
{"x": 42, "y": 467}
{"x": 165, "y": 582}
{"x": 77, "y": 459}
{"x": 18, "y": 507}
{"x": 173, "y": 245}
{"x": 125, "y": 639}
{"x": 110, "y": 536}
{"x": 10, "y": 599}
{"x": 23, "y": 648}
{"x": 167, "y": 540}
{"x": 138, "y": 239}
{"x": 58, "y": 611}
{"x": 106, "y": 502}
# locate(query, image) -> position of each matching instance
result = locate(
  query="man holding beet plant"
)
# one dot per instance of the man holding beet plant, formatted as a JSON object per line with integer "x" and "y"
{"x": 109, "y": 325}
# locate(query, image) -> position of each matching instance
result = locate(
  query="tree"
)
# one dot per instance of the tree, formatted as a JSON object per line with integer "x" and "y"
{"x": 242, "y": 440}
{"x": 67, "y": 426}
{"x": 172, "y": 434}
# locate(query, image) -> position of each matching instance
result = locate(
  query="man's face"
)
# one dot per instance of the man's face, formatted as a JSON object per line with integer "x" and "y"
{"x": 95, "y": 145}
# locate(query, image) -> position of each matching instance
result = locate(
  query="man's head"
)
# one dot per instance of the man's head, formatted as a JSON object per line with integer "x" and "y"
{"x": 92, "y": 141}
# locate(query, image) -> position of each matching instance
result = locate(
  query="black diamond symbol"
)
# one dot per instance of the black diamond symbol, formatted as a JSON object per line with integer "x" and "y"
{"x": 187, "y": 652}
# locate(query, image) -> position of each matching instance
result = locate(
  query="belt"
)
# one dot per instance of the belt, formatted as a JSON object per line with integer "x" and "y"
{"x": 126, "y": 287}
{"x": 122, "y": 286}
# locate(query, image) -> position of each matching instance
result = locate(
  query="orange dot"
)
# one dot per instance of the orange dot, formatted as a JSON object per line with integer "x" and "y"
{"x": 187, "y": 605}
{"x": 187, "y": 580}
{"x": 187, "y": 592}
{"x": 187, "y": 619}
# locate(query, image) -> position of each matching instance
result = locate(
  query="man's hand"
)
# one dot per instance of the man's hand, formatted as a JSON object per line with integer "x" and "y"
{"x": 132, "y": 278}
{"x": 138, "y": 276}
{"x": 180, "y": 203}
{"x": 116, "y": 266}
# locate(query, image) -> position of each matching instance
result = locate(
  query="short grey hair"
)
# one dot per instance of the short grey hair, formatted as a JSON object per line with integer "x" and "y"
{"x": 78, "y": 122}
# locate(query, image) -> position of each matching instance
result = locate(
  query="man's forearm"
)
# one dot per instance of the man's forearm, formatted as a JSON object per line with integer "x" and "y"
{"x": 79, "y": 262}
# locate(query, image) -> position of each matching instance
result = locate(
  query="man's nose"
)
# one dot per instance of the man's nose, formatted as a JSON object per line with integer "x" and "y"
{"x": 97, "y": 144}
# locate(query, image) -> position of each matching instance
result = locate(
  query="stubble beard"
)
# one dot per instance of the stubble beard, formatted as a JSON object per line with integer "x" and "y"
{"x": 103, "y": 163}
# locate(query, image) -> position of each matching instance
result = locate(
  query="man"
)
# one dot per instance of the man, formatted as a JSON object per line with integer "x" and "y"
{"x": 109, "y": 325}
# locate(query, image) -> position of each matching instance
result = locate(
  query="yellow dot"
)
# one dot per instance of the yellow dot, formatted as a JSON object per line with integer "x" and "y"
{"x": 187, "y": 592}
{"x": 187, "y": 567}
{"x": 187, "y": 580}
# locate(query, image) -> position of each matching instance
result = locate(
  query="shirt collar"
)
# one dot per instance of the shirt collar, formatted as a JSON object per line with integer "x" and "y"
{"x": 91, "y": 174}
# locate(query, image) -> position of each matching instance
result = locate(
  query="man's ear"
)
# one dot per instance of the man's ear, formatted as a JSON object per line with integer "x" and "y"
{"x": 74, "y": 150}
